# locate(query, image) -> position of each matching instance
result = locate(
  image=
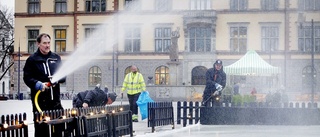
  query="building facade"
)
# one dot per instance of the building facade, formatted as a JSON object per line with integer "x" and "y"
{"x": 172, "y": 42}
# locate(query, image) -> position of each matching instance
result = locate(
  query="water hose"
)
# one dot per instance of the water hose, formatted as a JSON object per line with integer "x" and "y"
{"x": 36, "y": 98}
{"x": 36, "y": 101}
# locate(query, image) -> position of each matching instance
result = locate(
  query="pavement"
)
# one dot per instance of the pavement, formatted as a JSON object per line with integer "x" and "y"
{"x": 197, "y": 130}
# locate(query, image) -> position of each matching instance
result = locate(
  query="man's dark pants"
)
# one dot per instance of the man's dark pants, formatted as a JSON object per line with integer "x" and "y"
{"x": 132, "y": 101}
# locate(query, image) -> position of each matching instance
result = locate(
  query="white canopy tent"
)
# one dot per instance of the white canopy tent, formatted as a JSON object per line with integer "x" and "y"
{"x": 251, "y": 64}
{"x": 259, "y": 73}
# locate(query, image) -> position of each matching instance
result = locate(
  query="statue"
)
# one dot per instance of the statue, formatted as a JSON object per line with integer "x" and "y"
{"x": 174, "y": 45}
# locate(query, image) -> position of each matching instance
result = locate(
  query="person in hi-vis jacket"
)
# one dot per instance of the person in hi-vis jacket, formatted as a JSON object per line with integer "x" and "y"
{"x": 134, "y": 84}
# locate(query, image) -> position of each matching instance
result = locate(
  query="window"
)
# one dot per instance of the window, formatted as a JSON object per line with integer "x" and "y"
{"x": 132, "y": 5}
{"x": 269, "y": 4}
{"x": 95, "y": 5}
{"x": 162, "y": 39}
{"x": 60, "y": 40}
{"x": 305, "y": 38}
{"x": 200, "y": 4}
{"x": 32, "y": 41}
{"x": 61, "y": 6}
{"x": 33, "y": 6}
{"x": 132, "y": 39}
{"x": 162, "y": 75}
{"x": 200, "y": 39}
{"x": 309, "y": 5}
{"x": 307, "y": 77}
{"x": 162, "y": 5}
{"x": 95, "y": 34}
{"x": 198, "y": 75}
{"x": 94, "y": 76}
{"x": 269, "y": 38}
{"x": 88, "y": 32}
{"x": 238, "y": 5}
{"x": 238, "y": 38}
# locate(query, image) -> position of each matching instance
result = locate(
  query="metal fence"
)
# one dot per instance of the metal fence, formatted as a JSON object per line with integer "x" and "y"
{"x": 160, "y": 114}
{"x": 14, "y": 125}
{"x": 253, "y": 113}
{"x": 261, "y": 114}
{"x": 188, "y": 113}
{"x": 110, "y": 121}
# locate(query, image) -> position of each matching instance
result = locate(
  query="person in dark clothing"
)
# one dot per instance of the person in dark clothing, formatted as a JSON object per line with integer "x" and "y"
{"x": 236, "y": 89}
{"x": 37, "y": 72}
{"x": 215, "y": 82}
{"x": 96, "y": 97}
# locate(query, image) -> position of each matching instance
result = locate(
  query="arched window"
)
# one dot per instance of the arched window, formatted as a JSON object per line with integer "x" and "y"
{"x": 94, "y": 76}
{"x": 198, "y": 75}
{"x": 128, "y": 70}
{"x": 307, "y": 77}
{"x": 162, "y": 75}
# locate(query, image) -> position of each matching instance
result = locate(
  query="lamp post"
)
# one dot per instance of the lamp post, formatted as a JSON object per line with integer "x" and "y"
{"x": 115, "y": 46}
{"x": 301, "y": 19}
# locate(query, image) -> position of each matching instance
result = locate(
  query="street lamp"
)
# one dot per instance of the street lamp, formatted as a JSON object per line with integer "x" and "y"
{"x": 301, "y": 20}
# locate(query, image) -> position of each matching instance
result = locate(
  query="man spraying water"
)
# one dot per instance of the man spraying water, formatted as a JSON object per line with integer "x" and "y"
{"x": 37, "y": 76}
{"x": 215, "y": 82}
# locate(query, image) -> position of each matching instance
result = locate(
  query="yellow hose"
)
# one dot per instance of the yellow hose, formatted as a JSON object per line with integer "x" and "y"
{"x": 36, "y": 101}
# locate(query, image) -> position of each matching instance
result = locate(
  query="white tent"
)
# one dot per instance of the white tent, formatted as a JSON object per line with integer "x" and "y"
{"x": 251, "y": 64}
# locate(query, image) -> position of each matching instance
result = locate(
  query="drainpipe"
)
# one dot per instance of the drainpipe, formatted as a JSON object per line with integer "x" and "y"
{"x": 286, "y": 41}
{"x": 75, "y": 31}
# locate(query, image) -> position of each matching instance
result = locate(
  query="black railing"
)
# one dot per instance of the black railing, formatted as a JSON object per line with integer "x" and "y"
{"x": 109, "y": 121}
{"x": 66, "y": 127}
{"x": 261, "y": 114}
{"x": 14, "y": 125}
{"x": 190, "y": 113}
{"x": 160, "y": 114}
{"x": 121, "y": 123}
{"x": 95, "y": 125}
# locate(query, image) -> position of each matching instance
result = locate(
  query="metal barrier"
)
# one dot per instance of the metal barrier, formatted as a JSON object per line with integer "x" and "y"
{"x": 190, "y": 113}
{"x": 121, "y": 123}
{"x": 95, "y": 125}
{"x": 111, "y": 121}
{"x": 160, "y": 114}
{"x": 261, "y": 114}
{"x": 14, "y": 125}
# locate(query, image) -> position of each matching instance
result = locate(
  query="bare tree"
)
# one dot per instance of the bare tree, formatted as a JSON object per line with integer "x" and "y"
{"x": 6, "y": 23}
{"x": 6, "y": 42}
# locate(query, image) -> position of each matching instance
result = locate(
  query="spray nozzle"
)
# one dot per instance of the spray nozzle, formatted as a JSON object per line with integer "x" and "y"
{"x": 49, "y": 84}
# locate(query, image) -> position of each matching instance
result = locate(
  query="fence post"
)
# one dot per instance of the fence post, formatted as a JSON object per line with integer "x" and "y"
{"x": 153, "y": 121}
{"x": 197, "y": 109}
{"x": 184, "y": 117}
{"x": 172, "y": 115}
{"x": 190, "y": 116}
{"x": 178, "y": 112}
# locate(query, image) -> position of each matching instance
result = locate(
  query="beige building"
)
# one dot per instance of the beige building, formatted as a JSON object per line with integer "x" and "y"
{"x": 115, "y": 34}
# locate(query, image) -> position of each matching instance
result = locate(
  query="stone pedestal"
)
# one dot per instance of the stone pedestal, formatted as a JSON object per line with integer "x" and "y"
{"x": 173, "y": 72}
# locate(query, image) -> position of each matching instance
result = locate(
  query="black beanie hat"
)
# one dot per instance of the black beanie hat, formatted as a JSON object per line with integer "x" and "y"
{"x": 112, "y": 96}
{"x": 218, "y": 62}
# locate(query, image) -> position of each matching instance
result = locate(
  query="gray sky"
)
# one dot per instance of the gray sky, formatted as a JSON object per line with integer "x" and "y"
{"x": 8, "y": 3}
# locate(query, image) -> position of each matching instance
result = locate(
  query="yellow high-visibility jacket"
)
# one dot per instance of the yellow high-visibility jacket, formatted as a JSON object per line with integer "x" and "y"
{"x": 133, "y": 83}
